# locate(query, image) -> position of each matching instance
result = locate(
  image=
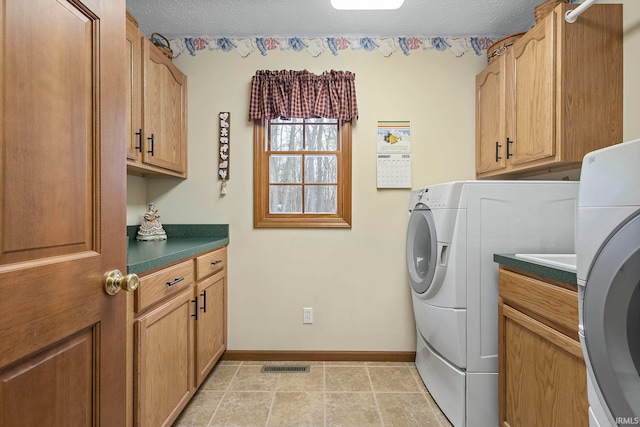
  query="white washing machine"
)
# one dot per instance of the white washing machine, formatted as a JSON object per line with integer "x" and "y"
{"x": 453, "y": 232}
{"x": 608, "y": 270}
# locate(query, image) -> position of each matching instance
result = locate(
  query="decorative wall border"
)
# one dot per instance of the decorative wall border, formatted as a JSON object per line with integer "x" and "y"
{"x": 316, "y": 46}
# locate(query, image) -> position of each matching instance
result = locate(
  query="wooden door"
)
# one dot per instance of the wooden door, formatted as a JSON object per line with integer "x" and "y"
{"x": 491, "y": 138}
{"x": 165, "y": 107}
{"x": 534, "y": 80}
{"x": 62, "y": 212}
{"x": 211, "y": 326}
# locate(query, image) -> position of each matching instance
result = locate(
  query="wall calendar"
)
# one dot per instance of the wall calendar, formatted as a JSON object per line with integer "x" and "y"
{"x": 393, "y": 157}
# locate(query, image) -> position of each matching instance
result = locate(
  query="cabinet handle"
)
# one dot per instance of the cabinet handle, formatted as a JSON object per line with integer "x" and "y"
{"x": 174, "y": 281}
{"x": 195, "y": 307}
{"x": 509, "y": 154}
{"x": 139, "y": 135}
{"x": 204, "y": 301}
{"x": 498, "y": 147}
{"x": 216, "y": 262}
{"x": 151, "y": 139}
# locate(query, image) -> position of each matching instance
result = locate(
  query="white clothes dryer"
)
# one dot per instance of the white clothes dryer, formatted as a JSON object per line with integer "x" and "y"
{"x": 608, "y": 272}
{"x": 454, "y": 230}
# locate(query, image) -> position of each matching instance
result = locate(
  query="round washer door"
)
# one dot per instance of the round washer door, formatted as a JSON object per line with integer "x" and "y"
{"x": 611, "y": 319}
{"x": 421, "y": 248}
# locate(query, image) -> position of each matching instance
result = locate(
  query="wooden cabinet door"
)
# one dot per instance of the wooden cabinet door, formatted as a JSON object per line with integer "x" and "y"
{"x": 133, "y": 48}
{"x": 164, "y": 361}
{"x": 62, "y": 212}
{"x": 211, "y": 327}
{"x": 542, "y": 374}
{"x": 165, "y": 107}
{"x": 490, "y": 118}
{"x": 533, "y": 123}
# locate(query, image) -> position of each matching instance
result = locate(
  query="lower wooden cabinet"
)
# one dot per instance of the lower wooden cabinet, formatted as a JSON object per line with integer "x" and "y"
{"x": 179, "y": 321}
{"x": 164, "y": 361}
{"x": 211, "y": 328}
{"x": 542, "y": 373}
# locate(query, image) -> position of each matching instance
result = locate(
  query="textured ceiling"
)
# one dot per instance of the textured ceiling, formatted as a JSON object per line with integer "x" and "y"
{"x": 235, "y": 18}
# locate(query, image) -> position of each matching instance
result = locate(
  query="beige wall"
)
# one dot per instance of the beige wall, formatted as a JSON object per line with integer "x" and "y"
{"x": 354, "y": 279}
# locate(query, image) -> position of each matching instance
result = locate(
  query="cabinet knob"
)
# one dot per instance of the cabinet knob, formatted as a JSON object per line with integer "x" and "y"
{"x": 498, "y": 147}
{"x": 114, "y": 281}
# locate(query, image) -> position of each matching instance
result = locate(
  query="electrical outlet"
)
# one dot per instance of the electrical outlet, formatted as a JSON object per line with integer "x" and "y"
{"x": 307, "y": 315}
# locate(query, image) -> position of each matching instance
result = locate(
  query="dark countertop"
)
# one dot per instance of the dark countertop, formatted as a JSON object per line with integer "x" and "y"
{"x": 183, "y": 242}
{"x": 556, "y": 273}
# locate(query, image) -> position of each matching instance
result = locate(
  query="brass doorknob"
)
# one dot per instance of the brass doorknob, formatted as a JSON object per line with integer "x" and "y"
{"x": 114, "y": 281}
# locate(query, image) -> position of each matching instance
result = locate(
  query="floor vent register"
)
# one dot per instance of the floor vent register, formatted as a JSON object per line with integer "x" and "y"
{"x": 281, "y": 369}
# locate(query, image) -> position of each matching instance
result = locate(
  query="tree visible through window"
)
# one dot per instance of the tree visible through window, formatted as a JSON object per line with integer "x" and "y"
{"x": 302, "y": 173}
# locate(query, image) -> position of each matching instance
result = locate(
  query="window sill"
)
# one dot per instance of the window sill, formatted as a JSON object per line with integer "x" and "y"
{"x": 293, "y": 222}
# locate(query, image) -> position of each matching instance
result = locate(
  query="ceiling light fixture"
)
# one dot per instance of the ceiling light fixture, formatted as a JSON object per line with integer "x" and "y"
{"x": 366, "y": 4}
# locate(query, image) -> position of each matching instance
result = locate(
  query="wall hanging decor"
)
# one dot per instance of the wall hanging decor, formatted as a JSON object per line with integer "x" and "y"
{"x": 223, "y": 153}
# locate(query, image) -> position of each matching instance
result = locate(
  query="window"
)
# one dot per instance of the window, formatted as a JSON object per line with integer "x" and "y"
{"x": 302, "y": 173}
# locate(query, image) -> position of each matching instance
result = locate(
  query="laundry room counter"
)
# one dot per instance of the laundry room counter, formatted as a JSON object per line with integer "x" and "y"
{"x": 550, "y": 272}
{"x": 183, "y": 241}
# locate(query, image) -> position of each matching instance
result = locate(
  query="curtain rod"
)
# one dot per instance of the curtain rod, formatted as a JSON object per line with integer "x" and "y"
{"x": 572, "y": 15}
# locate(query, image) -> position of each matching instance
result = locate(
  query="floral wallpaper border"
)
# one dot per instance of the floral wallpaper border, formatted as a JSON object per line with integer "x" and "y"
{"x": 316, "y": 46}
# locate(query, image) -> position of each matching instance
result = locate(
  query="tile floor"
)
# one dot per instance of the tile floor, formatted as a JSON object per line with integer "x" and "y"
{"x": 349, "y": 394}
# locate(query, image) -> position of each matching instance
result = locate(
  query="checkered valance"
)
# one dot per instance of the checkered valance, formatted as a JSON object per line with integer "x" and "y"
{"x": 302, "y": 94}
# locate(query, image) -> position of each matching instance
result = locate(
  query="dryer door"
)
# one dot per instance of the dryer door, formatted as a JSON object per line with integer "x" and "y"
{"x": 421, "y": 248}
{"x": 611, "y": 319}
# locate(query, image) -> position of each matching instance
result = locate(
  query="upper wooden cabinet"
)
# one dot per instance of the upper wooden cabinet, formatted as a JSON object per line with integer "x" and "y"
{"x": 490, "y": 117}
{"x": 553, "y": 97}
{"x": 134, "y": 93}
{"x": 156, "y": 111}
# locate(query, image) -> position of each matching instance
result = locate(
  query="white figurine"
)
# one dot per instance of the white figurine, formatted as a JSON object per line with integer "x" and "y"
{"x": 151, "y": 229}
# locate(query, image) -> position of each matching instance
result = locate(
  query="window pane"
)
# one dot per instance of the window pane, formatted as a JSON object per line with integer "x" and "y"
{"x": 286, "y": 120}
{"x": 286, "y": 137}
{"x": 322, "y": 137}
{"x": 320, "y": 199}
{"x": 321, "y": 120}
{"x": 285, "y": 199}
{"x": 285, "y": 169}
{"x": 319, "y": 169}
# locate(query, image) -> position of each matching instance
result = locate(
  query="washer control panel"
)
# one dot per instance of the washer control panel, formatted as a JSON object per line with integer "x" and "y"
{"x": 441, "y": 196}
